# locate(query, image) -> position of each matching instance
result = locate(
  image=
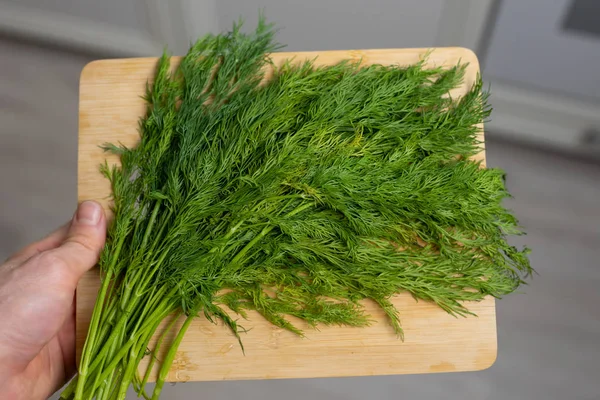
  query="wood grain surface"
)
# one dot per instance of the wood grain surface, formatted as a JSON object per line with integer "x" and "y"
{"x": 110, "y": 108}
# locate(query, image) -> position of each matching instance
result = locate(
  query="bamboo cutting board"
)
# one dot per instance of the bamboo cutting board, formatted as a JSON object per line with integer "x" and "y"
{"x": 110, "y": 108}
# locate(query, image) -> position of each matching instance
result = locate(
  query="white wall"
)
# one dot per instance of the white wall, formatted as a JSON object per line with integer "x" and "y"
{"x": 529, "y": 48}
{"x": 129, "y": 14}
{"x": 342, "y": 24}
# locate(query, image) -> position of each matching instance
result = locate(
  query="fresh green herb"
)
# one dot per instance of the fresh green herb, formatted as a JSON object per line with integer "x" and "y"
{"x": 298, "y": 197}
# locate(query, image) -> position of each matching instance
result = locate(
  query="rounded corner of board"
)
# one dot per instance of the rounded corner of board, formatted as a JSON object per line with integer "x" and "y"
{"x": 90, "y": 68}
{"x": 467, "y": 55}
{"x": 489, "y": 360}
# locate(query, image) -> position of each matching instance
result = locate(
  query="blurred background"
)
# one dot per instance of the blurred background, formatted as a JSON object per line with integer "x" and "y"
{"x": 542, "y": 60}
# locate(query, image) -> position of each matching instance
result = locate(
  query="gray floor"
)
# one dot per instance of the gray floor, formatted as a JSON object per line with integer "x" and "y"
{"x": 548, "y": 337}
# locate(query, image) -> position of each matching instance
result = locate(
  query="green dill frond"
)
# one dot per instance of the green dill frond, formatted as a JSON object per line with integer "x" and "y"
{"x": 296, "y": 197}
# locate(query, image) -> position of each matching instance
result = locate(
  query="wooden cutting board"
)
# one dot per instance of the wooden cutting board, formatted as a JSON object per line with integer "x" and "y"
{"x": 110, "y": 108}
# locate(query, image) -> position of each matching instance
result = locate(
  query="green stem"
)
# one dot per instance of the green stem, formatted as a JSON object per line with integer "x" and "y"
{"x": 117, "y": 331}
{"x": 137, "y": 272}
{"x": 96, "y": 381}
{"x": 264, "y": 232}
{"x": 69, "y": 390}
{"x": 108, "y": 313}
{"x": 96, "y": 314}
{"x": 129, "y": 371}
{"x": 275, "y": 198}
{"x": 89, "y": 343}
{"x": 155, "y": 297}
{"x": 108, "y": 383}
{"x": 102, "y": 393}
{"x": 116, "y": 377}
{"x": 140, "y": 352}
{"x": 150, "y": 274}
{"x": 165, "y": 219}
{"x": 154, "y": 355}
{"x": 151, "y": 325}
{"x": 150, "y": 224}
{"x": 251, "y": 244}
{"x": 232, "y": 231}
{"x": 299, "y": 209}
{"x": 168, "y": 361}
{"x": 108, "y": 316}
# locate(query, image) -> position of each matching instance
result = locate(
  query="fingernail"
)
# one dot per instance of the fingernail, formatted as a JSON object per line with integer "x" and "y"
{"x": 88, "y": 213}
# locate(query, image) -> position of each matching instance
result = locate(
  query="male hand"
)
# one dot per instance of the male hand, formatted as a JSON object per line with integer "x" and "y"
{"x": 37, "y": 307}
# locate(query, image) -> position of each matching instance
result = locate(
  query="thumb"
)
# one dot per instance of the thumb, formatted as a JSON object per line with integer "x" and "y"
{"x": 84, "y": 241}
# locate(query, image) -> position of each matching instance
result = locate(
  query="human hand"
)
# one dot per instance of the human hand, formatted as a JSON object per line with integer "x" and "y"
{"x": 37, "y": 306}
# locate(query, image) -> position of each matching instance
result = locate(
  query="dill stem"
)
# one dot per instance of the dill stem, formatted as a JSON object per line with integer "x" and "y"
{"x": 92, "y": 331}
{"x": 250, "y": 244}
{"x": 232, "y": 230}
{"x": 299, "y": 209}
{"x": 150, "y": 224}
{"x": 154, "y": 298}
{"x": 138, "y": 352}
{"x": 105, "y": 323}
{"x": 264, "y": 232}
{"x": 165, "y": 215}
{"x": 147, "y": 255}
{"x": 102, "y": 393}
{"x": 116, "y": 332}
{"x": 127, "y": 305}
{"x": 291, "y": 197}
{"x": 89, "y": 343}
{"x": 168, "y": 361}
{"x": 103, "y": 374}
{"x": 96, "y": 314}
{"x": 96, "y": 381}
{"x": 128, "y": 374}
{"x": 154, "y": 320}
{"x": 112, "y": 345}
{"x": 68, "y": 392}
{"x": 150, "y": 274}
{"x": 116, "y": 344}
{"x": 118, "y": 329}
{"x": 154, "y": 354}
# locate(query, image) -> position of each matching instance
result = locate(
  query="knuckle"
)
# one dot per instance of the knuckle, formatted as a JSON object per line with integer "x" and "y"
{"x": 54, "y": 267}
{"x": 51, "y": 261}
{"x": 83, "y": 243}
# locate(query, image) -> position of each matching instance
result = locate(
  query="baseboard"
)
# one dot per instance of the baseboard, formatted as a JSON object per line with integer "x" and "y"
{"x": 74, "y": 32}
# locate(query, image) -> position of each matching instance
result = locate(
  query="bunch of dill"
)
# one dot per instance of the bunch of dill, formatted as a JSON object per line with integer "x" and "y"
{"x": 298, "y": 197}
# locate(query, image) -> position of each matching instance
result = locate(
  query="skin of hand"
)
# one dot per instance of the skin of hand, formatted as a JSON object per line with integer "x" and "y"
{"x": 37, "y": 306}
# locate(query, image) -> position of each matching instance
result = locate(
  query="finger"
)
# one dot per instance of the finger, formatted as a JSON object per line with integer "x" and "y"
{"x": 51, "y": 241}
{"x": 66, "y": 338}
{"x": 84, "y": 240}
